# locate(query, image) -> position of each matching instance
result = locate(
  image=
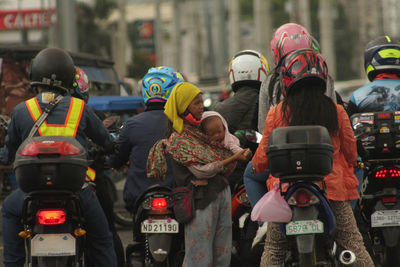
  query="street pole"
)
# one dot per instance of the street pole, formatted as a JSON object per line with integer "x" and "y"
{"x": 158, "y": 32}
{"x": 304, "y": 14}
{"x": 66, "y": 25}
{"x": 263, "y": 25}
{"x": 234, "y": 27}
{"x": 326, "y": 33}
{"x": 177, "y": 47}
{"x": 120, "y": 57}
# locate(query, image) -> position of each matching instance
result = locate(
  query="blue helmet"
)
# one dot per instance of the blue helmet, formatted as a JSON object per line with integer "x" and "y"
{"x": 158, "y": 83}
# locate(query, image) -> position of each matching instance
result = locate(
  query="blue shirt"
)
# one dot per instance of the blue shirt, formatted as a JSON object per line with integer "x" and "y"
{"x": 137, "y": 137}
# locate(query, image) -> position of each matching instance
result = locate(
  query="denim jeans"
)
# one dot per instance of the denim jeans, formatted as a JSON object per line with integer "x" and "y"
{"x": 255, "y": 183}
{"x": 99, "y": 242}
{"x": 360, "y": 177}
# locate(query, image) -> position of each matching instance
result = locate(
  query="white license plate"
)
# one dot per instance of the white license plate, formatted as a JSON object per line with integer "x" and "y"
{"x": 304, "y": 227}
{"x": 385, "y": 218}
{"x": 53, "y": 245}
{"x": 160, "y": 226}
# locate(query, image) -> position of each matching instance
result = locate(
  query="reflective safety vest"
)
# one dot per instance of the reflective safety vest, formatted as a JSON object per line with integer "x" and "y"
{"x": 71, "y": 124}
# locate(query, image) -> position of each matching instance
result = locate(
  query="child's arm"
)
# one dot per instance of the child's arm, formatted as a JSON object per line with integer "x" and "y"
{"x": 209, "y": 170}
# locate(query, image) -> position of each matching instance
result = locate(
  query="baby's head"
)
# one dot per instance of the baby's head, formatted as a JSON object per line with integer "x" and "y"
{"x": 214, "y": 128}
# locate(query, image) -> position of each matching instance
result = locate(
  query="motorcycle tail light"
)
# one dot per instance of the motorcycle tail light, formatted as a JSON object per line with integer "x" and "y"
{"x": 387, "y": 173}
{"x": 51, "y": 217}
{"x": 49, "y": 147}
{"x": 302, "y": 198}
{"x": 384, "y": 116}
{"x": 389, "y": 200}
{"x": 159, "y": 204}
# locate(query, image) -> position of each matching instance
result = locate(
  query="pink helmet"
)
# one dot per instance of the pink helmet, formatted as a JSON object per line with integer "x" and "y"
{"x": 289, "y": 37}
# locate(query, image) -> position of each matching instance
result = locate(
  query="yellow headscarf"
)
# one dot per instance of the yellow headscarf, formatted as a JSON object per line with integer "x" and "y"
{"x": 178, "y": 101}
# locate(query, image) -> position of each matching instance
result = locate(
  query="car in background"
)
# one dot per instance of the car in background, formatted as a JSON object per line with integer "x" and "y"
{"x": 104, "y": 80}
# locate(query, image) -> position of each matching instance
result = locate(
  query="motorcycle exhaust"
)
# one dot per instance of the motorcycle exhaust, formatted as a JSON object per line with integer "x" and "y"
{"x": 347, "y": 258}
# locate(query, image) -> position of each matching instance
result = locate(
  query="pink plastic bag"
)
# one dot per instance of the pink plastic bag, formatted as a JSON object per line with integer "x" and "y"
{"x": 272, "y": 208}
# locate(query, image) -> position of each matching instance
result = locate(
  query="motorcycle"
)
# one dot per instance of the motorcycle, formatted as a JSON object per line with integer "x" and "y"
{"x": 300, "y": 156}
{"x": 52, "y": 170}
{"x": 378, "y": 208}
{"x": 158, "y": 237}
{"x": 243, "y": 228}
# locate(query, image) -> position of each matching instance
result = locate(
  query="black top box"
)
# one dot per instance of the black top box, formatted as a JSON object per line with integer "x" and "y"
{"x": 300, "y": 150}
{"x": 50, "y": 163}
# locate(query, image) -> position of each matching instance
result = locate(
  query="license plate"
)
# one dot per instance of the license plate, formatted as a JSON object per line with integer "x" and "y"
{"x": 160, "y": 226}
{"x": 385, "y": 218}
{"x": 46, "y": 245}
{"x": 304, "y": 227}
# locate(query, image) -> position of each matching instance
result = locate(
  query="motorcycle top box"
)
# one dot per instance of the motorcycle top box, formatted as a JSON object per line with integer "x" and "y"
{"x": 50, "y": 162}
{"x": 381, "y": 133}
{"x": 300, "y": 150}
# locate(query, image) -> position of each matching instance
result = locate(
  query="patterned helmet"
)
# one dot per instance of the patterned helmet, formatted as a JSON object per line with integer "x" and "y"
{"x": 289, "y": 37}
{"x": 248, "y": 65}
{"x": 381, "y": 55}
{"x": 80, "y": 85}
{"x": 303, "y": 64}
{"x": 158, "y": 83}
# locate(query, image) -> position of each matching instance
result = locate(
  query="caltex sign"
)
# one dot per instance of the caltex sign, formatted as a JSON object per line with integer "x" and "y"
{"x": 27, "y": 19}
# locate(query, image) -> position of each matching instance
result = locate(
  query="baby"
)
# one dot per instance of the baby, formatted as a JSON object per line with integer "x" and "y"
{"x": 216, "y": 128}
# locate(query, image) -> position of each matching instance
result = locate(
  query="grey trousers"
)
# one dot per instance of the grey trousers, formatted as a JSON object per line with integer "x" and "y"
{"x": 208, "y": 237}
{"x": 347, "y": 235}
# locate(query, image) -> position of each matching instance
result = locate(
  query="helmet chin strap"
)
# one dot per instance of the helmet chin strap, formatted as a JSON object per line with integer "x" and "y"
{"x": 192, "y": 120}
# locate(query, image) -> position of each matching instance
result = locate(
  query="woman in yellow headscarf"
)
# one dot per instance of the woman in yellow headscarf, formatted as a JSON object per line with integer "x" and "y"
{"x": 208, "y": 236}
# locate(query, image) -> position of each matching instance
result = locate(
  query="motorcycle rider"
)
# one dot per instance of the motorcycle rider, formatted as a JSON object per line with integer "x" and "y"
{"x": 247, "y": 69}
{"x": 81, "y": 89}
{"x": 303, "y": 78}
{"x": 140, "y": 132}
{"x": 382, "y": 66}
{"x": 288, "y": 37}
{"x": 51, "y": 74}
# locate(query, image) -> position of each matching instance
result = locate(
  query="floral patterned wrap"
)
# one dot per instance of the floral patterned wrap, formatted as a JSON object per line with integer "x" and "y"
{"x": 189, "y": 147}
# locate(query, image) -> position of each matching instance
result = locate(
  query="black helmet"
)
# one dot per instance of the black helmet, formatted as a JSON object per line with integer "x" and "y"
{"x": 52, "y": 67}
{"x": 381, "y": 55}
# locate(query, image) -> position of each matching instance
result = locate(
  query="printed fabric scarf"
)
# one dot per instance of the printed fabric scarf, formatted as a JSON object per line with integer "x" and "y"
{"x": 187, "y": 148}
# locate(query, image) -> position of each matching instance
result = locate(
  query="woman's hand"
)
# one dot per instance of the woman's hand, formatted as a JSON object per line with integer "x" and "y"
{"x": 244, "y": 155}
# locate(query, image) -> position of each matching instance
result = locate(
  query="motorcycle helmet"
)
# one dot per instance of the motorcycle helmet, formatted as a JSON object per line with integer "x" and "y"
{"x": 248, "y": 65}
{"x": 289, "y": 37}
{"x": 303, "y": 64}
{"x": 80, "y": 85}
{"x": 52, "y": 67}
{"x": 382, "y": 55}
{"x": 158, "y": 83}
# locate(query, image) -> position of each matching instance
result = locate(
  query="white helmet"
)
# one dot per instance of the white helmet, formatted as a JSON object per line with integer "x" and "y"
{"x": 248, "y": 65}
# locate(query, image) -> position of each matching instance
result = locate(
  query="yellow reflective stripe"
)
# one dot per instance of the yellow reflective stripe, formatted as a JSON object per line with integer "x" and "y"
{"x": 369, "y": 68}
{"x": 69, "y": 128}
{"x": 389, "y": 52}
{"x": 388, "y": 39}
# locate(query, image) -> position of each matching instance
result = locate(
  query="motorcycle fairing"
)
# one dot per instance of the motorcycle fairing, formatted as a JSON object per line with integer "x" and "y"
{"x": 328, "y": 216}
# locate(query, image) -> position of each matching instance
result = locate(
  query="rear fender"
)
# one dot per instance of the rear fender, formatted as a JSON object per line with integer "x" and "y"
{"x": 160, "y": 246}
{"x": 305, "y": 243}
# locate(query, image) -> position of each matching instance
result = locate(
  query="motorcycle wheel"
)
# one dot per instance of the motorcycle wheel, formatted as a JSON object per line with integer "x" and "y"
{"x": 392, "y": 256}
{"x": 54, "y": 262}
{"x": 306, "y": 260}
{"x": 123, "y": 217}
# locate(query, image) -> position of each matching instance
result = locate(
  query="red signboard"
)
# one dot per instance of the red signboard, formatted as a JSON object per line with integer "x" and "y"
{"x": 27, "y": 19}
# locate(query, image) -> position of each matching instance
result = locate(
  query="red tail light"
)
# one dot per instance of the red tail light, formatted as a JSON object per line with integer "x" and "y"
{"x": 384, "y": 116}
{"x": 51, "y": 217}
{"x": 159, "y": 204}
{"x": 302, "y": 198}
{"x": 61, "y": 148}
{"x": 387, "y": 173}
{"x": 389, "y": 200}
